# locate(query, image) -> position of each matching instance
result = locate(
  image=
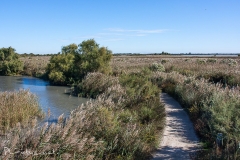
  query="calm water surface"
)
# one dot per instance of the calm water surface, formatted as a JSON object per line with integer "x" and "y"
{"x": 50, "y": 97}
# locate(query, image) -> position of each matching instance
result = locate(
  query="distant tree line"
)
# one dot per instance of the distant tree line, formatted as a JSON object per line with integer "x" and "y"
{"x": 139, "y": 54}
{"x": 32, "y": 54}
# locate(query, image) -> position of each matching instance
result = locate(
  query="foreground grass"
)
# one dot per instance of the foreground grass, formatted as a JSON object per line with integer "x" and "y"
{"x": 123, "y": 122}
{"x": 17, "y": 107}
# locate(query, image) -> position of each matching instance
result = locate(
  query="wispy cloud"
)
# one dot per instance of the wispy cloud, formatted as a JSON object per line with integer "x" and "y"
{"x": 136, "y": 30}
{"x": 114, "y": 34}
{"x": 110, "y": 34}
{"x": 113, "y": 40}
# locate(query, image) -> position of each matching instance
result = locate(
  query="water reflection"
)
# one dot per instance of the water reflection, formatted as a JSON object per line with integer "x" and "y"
{"x": 53, "y": 98}
{"x": 32, "y": 81}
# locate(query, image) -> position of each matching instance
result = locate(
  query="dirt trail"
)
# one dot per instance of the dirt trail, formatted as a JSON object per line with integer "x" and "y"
{"x": 179, "y": 139}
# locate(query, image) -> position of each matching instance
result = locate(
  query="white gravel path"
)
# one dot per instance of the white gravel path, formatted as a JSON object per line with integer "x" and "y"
{"x": 179, "y": 139}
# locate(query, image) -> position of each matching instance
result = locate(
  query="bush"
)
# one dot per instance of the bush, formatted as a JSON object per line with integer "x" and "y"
{"x": 60, "y": 69}
{"x": 227, "y": 79}
{"x": 95, "y": 84}
{"x": 9, "y": 62}
{"x": 157, "y": 67}
{"x": 211, "y": 60}
{"x": 73, "y": 64}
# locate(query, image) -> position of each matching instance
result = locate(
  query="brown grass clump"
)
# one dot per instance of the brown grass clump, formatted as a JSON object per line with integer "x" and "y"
{"x": 35, "y": 65}
{"x": 18, "y": 106}
{"x": 95, "y": 84}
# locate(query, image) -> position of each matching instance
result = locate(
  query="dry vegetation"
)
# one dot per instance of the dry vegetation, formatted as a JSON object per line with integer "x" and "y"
{"x": 123, "y": 121}
{"x": 34, "y": 65}
{"x": 17, "y": 107}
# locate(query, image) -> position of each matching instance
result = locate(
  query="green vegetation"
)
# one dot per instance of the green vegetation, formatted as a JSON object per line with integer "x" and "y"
{"x": 208, "y": 89}
{"x": 94, "y": 84}
{"x": 157, "y": 67}
{"x": 76, "y": 61}
{"x": 17, "y": 107}
{"x": 212, "y": 108}
{"x": 9, "y": 62}
{"x": 124, "y": 122}
{"x": 125, "y": 119}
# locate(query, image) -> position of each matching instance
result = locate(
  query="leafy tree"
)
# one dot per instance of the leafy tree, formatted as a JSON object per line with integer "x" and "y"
{"x": 92, "y": 58}
{"x": 75, "y": 61}
{"x": 60, "y": 68}
{"x": 9, "y": 62}
{"x": 69, "y": 49}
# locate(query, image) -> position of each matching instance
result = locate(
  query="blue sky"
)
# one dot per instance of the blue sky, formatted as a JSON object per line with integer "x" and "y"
{"x": 124, "y": 26}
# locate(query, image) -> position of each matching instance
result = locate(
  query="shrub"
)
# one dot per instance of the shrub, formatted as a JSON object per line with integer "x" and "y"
{"x": 227, "y": 79}
{"x": 9, "y": 62}
{"x": 73, "y": 64}
{"x": 60, "y": 69}
{"x": 157, "y": 67}
{"x": 210, "y": 60}
{"x": 201, "y": 61}
{"x": 229, "y": 61}
{"x": 95, "y": 84}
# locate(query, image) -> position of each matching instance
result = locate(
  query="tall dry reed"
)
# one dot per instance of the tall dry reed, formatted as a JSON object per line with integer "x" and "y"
{"x": 17, "y": 106}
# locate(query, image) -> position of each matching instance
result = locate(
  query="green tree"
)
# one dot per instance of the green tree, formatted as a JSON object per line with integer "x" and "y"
{"x": 60, "y": 68}
{"x": 72, "y": 48}
{"x": 75, "y": 61}
{"x": 92, "y": 58}
{"x": 9, "y": 62}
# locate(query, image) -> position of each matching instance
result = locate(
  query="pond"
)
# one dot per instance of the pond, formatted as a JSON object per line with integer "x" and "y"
{"x": 53, "y": 98}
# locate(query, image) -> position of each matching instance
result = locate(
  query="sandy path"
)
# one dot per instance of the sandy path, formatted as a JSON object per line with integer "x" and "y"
{"x": 179, "y": 138}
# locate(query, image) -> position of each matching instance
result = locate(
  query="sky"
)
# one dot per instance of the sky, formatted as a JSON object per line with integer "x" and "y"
{"x": 124, "y": 26}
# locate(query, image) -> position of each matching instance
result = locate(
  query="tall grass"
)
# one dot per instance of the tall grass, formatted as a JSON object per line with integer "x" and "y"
{"x": 115, "y": 125}
{"x": 17, "y": 106}
{"x": 125, "y": 119}
{"x": 213, "y": 109}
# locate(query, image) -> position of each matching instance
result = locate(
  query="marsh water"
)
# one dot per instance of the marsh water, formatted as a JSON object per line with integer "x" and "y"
{"x": 53, "y": 98}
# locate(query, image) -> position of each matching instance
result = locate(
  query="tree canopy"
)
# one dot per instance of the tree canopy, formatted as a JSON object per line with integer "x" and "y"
{"x": 75, "y": 61}
{"x": 9, "y": 62}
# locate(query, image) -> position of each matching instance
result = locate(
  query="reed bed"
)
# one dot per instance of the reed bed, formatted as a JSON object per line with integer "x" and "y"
{"x": 123, "y": 122}
{"x": 35, "y": 65}
{"x": 17, "y": 106}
